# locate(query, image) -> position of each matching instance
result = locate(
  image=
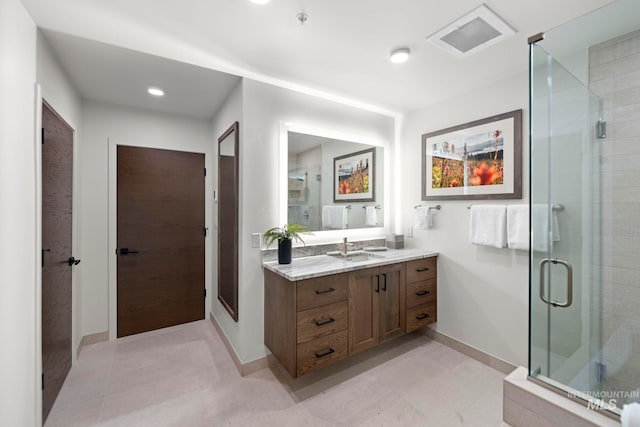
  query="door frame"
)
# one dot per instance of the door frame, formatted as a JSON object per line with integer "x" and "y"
{"x": 75, "y": 302}
{"x": 113, "y": 224}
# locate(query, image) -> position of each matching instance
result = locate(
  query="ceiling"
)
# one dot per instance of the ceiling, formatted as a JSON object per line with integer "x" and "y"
{"x": 342, "y": 50}
{"x": 105, "y": 73}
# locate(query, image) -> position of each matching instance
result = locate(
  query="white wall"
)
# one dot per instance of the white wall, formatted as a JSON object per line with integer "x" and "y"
{"x": 230, "y": 112}
{"x": 482, "y": 291}
{"x": 264, "y": 108}
{"x": 19, "y": 261}
{"x": 59, "y": 93}
{"x": 127, "y": 126}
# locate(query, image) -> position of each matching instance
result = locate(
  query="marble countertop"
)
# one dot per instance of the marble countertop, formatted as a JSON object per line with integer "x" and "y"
{"x": 324, "y": 265}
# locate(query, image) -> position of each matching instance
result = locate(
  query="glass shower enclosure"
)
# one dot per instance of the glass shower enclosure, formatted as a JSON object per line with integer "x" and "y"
{"x": 584, "y": 338}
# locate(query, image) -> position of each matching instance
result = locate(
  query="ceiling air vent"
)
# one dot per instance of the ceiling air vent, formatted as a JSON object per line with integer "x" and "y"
{"x": 475, "y": 31}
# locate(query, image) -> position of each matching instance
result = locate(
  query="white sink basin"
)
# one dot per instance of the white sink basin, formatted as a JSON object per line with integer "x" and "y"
{"x": 360, "y": 257}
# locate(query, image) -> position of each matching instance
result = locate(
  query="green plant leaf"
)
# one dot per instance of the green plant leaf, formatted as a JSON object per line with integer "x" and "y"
{"x": 289, "y": 231}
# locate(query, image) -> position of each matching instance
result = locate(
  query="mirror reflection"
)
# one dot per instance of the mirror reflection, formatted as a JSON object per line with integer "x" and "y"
{"x": 334, "y": 184}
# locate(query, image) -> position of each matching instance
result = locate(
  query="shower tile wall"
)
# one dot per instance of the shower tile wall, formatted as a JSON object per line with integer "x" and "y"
{"x": 614, "y": 75}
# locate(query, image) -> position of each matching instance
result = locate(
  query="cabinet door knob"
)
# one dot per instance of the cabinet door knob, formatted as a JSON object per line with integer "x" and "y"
{"x": 325, "y": 291}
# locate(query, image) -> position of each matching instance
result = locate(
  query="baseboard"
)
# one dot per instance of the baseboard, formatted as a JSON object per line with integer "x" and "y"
{"x": 472, "y": 352}
{"x": 243, "y": 368}
{"x": 92, "y": 339}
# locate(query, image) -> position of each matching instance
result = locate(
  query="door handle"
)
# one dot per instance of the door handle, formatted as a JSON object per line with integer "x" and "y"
{"x": 569, "y": 268}
{"x": 42, "y": 258}
{"x": 126, "y": 251}
{"x": 377, "y": 283}
{"x": 384, "y": 284}
{"x": 73, "y": 261}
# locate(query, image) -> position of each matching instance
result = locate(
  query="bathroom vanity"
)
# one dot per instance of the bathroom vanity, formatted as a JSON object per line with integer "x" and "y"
{"x": 321, "y": 309}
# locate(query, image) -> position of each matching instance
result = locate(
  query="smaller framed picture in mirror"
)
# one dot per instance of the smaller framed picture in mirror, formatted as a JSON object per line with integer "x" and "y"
{"x": 353, "y": 177}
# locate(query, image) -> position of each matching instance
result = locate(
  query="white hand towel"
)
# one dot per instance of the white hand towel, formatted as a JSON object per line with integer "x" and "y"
{"x": 488, "y": 225}
{"x": 334, "y": 217}
{"x": 518, "y": 227}
{"x": 540, "y": 225}
{"x": 424, "y": 220}
{"x": 630, "y": 415}
{"x": 370, "y": 216}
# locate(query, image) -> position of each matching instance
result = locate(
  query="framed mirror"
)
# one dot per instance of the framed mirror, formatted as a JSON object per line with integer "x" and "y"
{"x": 333, "y": 182}
{"x": 228, "y": 220}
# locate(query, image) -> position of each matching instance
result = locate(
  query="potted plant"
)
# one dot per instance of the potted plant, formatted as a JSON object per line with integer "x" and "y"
{"x": 284, "y": 236}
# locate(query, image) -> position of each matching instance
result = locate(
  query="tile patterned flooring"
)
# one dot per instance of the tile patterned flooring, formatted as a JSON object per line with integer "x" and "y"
{"x": 183, "y": 376}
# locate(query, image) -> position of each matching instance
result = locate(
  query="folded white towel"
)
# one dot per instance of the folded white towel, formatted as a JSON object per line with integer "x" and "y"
{"x": 424, "y": 219}
{"x": 335, "y": 217}
{"x": 630, "y": 415}
{"x": 542, "y": 228}
{"x": 370, "y": 216}
{"x": 488, "y": 225}
{"x": 518, "y": 227}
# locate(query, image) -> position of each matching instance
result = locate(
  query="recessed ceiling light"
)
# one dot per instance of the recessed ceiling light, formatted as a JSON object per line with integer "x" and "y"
{"x": 155, "y": 91}
{"x": 260, "y": 1}
{"x": 398, "y": 56}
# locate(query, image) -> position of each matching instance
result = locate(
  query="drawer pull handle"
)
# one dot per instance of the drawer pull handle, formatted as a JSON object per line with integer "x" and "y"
{"x": 325, "y": 291}
{"x": 326, "y": 353}
{"x": 422, "y": 316}
{"x": 422, "y": 270}
{"x": 421, "y": 293}
{"x": 326, "y": 322}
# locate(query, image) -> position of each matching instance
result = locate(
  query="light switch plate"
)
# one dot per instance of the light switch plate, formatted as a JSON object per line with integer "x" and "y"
{"x": 255, "y": 240}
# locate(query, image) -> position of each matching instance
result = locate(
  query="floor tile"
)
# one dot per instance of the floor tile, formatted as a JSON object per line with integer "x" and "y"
{"x": 184, "y": 376}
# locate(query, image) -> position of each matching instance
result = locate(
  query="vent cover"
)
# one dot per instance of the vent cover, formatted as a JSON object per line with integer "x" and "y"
{"x": 473, "y": 32}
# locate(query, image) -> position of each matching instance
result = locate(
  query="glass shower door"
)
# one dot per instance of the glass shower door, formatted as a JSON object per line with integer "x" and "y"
{"x": 565, "y": 317}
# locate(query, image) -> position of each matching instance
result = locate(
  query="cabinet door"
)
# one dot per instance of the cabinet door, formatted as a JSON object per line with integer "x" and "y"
{"x": 364, "y": 303}
{"x": 392, "y": 301}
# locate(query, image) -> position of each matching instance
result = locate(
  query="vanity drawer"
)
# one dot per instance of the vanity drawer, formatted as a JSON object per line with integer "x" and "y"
{"x": 421, "y": 269}
{"x": 420, "y": 316}
{"x": 321, "y": 321}
{"x": 421, "y": 292}
{"x": 321, "y": 291}
{"x": 321, "y": 352}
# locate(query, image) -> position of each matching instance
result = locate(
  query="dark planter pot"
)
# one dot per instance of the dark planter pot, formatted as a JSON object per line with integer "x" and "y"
{"x": 284, "y": 251}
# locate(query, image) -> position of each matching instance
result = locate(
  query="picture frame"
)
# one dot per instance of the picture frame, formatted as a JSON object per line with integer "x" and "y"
{"x": 354, "y": 177}
{"x": 478, "y": 160}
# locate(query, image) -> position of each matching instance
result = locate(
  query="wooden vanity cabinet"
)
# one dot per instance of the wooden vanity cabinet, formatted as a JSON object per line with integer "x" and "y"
{"x": 306, "y": 321}
{"x": 376, "y": 306}
{"x": 313, "y": 323}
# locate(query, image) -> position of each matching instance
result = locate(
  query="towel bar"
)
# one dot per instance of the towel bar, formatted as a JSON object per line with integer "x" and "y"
{"x": 436, "y": 207}
{"x": 376, "y": 206}
{"x": 556, "y": 207}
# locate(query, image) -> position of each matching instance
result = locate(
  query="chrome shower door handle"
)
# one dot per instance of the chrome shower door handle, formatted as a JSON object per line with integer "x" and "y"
{"x": 569, "y": 268}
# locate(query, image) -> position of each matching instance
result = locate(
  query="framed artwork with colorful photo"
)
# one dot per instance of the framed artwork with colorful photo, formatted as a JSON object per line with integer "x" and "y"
{"x": 353, "y": 177}
{"x": 479, "y": 160}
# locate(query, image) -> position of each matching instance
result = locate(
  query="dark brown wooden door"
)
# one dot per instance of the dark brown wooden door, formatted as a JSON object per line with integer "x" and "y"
{"x": 57, "y": 197}
{"x": 392, "y": 301}
{"x": 364, "y": 303}
{"x": 161, "y": 226}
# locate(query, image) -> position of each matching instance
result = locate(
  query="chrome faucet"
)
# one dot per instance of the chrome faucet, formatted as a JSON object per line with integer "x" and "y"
{"x": 345, "y": 244}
